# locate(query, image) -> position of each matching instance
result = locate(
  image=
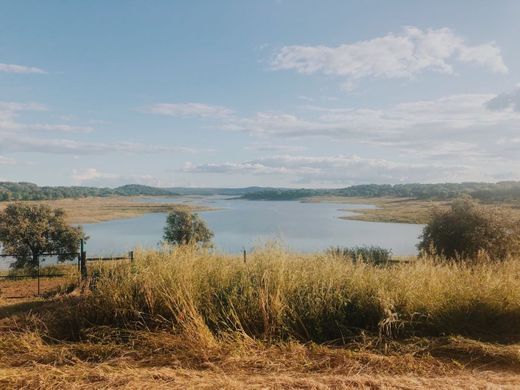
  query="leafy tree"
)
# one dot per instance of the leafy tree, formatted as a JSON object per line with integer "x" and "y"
{"x": 186, "y": 228}
{"x": 466, "y": 228}
{"x": 29, "y": 230}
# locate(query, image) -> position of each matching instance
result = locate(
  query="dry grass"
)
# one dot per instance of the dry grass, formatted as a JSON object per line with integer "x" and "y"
{"x": 106, "y": 359}
{"x": 193, "y": 319}
{"x": 398, "y": 210}
{"x": 99, "y": 209}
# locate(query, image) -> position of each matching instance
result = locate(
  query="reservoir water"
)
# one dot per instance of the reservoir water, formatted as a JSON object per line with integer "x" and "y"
{"x": 242, "y": 224}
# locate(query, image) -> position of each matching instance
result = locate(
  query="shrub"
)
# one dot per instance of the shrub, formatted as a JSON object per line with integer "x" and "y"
{"x": 367, "y": 254}
{"x": 467, "y": 229}
{"x": 186, "y": 228}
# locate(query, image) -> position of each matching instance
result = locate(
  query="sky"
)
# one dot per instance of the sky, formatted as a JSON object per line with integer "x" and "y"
{"x": 269, "y": 93}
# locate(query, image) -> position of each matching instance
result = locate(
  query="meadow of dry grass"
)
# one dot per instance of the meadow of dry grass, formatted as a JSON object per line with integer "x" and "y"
{"x": 184, "y": 318}
{"x": 399, "y": 210}
{"x": 99, "y": 209}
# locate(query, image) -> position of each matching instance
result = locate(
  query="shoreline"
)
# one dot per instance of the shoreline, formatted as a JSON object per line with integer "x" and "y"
{"x": 102, "y": 209}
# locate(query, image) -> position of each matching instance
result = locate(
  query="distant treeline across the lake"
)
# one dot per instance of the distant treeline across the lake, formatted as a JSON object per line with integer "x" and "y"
{"x": 30, "y": 191}
{"x": 486, "y": 192}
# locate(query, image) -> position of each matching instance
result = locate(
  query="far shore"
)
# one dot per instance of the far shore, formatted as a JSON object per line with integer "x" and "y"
{"x": 101, "y": 209}
{"x": 395, "y": 210}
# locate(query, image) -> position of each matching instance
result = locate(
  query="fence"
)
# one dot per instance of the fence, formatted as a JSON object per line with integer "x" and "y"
{"x": 82, "y": 261}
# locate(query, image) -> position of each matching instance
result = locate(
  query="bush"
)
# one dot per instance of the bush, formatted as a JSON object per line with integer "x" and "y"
{"x": 467, "y": 229}
{"x": 367, "y": 254}
{"x": 184, "y": 228}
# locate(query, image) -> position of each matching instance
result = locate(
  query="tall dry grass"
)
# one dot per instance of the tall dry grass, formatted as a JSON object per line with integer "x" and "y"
{"x": 278, "y": 295}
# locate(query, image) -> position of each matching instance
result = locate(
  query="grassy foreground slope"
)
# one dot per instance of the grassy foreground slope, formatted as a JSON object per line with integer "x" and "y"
{"x": 281, "y": 320}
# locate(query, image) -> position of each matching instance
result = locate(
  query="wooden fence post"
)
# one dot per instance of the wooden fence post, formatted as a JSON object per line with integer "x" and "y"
{"x": 131, "y": 256}
{"x": 38, "y": 275}
{"x": 83, "y": 265}
{"x": 245, "y": 256}
{"x": 83, "y": 261}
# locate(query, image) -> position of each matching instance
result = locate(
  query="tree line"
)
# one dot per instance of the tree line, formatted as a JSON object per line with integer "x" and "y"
{"x": 486, "y": 192}
{"x": 28, "y": 191}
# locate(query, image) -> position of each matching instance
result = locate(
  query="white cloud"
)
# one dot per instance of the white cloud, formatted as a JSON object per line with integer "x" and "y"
{"x": 452, "y": 127}
{"x": 79, "y": 176}
{"x": 338, "y": 170}
{"x": 94, "y": 177}
{"x": 56, "y": 127}
{"x": 6, "y": 161}
{"x": 279, "y": 148}
{"x": 16, "y": 136}
{"x": 17, "y": 143}
{"x": 189, "y": 110}
{"x": 13, "y": 68}
{"x": 449, "y": 115}
{"x": 402, "y": 55}
{"x": 9, "y": 112}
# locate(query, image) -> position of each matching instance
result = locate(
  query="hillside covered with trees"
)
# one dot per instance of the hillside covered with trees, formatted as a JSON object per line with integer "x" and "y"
{"x": 30, "y": 191}
{"x": 486, "y": 192}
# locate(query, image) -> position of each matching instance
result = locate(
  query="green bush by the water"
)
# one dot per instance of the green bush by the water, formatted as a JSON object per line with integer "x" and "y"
{"x": 367, "y": 254}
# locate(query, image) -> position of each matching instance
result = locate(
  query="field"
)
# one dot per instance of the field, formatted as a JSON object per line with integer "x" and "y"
{"x": 188, "y": 318}
{"x": 99, "y": 209}
{"x": 398, "y": 210}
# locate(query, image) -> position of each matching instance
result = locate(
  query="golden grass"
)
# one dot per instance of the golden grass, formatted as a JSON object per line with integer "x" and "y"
{"x": 99, "y": 209}
{"x": 144, "y": 359}
{"x": 184, "y": 318}
{"x": 397, "y": 210}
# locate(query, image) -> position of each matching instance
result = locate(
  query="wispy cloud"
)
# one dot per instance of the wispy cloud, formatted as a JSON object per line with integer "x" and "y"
{"x": 6, "y": 161}
{"x": 10, "y": 111}
{"x": 13, "y": 68}
{"x": 338, "y": 170}
{"x": 95, "y": 177}
{"x": 402, "y": 55}
{"x": 189, "y": 110}
{"x": 17, "y": 143}
{"x": 278, "y": 148}
{"x": 451, "y": 127}
{"x": 79, "y": 176}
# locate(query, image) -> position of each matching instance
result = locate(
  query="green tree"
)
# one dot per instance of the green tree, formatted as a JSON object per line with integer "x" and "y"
{"x": 466, "y": 228}
{"x": 29, "y": 230}
{"x": 186, "y": 228}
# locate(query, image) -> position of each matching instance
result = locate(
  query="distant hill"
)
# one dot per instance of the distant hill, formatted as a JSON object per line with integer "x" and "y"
{"x": 218, "y": 191}
{"x": 30, "y": 191}
{"x": 486, "y": 192}
{"x": 138, "y": 189}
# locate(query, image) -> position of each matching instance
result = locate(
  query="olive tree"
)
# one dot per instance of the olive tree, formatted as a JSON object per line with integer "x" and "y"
{"x": 186, "y": 228}
{"x": 29, "y": 230}
{"x": 466, "y": 228}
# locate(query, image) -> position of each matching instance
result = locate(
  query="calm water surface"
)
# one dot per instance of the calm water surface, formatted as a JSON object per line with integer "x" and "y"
{"x": 242, "y": 224}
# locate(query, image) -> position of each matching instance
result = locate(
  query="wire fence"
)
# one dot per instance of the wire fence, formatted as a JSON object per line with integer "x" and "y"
{"x": 19, "y": 283}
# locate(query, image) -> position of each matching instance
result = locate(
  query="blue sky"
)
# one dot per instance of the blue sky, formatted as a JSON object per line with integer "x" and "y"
{"x": 239, "y": 93}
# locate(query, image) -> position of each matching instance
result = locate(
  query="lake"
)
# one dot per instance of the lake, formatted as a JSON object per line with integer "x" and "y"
{"x": 242, "y": 224}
